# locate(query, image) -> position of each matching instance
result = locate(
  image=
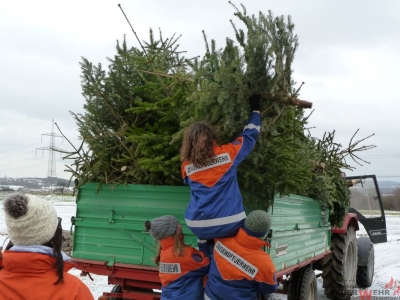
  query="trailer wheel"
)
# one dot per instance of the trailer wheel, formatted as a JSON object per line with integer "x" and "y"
{"x": 302, "y": 285}
{"x": 366, "y": 261}
{"x": 340, "y": 267}
{"x": 308, "y": 287}
{"x": 293, "y": 287}
{"x": 116, "y": 289}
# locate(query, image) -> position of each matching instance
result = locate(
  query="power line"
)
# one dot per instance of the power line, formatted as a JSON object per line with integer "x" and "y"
{"x": 22, "y": 161}
{"x": 8, "y": 156}
{"x": 380, "y": 157}
{"x": 19, "y": 154}
{"x": 17, "y": 162}
{"x": 18, "y": 147}
{"x": 353, "y": 124}
{"x": 22, "y": 167}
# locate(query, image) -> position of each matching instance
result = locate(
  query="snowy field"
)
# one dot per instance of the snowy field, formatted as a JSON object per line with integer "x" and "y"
{"x": 386, "y": 283}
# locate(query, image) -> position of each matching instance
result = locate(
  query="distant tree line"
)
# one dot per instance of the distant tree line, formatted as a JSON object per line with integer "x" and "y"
{"x": 392, "y": 202}
{"x": 38, "y": 183}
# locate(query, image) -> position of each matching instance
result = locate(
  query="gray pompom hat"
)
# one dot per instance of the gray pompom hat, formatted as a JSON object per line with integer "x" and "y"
{"x": 257, "y": 223}
{"x": 163, "y": 227}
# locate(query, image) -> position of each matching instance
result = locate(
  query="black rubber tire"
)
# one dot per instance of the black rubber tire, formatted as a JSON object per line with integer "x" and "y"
{"x": 293, "y": 286}
{"x": 365, "y": 273}
{"x": 302, "y": 285}
{"x": 308, "y": 286}
{"x": 340, "y": 267}
{"x": 116, "y": 289}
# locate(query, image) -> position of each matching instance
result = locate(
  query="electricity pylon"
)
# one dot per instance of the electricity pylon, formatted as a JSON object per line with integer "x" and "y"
{"x": 51, "y": 170}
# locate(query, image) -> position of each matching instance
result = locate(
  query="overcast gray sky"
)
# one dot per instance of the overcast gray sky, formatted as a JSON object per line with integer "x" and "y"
{"x": 348, "y": 58}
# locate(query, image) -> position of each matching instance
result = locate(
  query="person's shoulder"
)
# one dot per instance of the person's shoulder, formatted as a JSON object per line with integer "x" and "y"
{"x": 265, "y": 255}
{"x": 77, "y": 287}
{"x": 72, "y": 280}
{"x": 266, "y": 260}
{"x": 230, "y": 147}
{"x": 70, "y": 277}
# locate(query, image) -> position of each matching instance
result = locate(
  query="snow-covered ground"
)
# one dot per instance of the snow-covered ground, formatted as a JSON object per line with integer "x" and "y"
{"x": 386, "y": 283}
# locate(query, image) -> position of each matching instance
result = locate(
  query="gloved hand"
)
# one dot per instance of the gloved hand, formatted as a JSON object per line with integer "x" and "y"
{"x": 255, "y": 102}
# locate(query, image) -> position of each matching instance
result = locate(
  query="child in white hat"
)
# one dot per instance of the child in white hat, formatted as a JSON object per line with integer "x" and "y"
{"x": 34, "y": 255}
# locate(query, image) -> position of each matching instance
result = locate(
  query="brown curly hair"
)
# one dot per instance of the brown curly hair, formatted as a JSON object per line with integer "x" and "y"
{"x": 198, "y": 144}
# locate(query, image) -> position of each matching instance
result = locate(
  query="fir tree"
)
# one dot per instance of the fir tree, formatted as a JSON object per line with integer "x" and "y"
{"x": 131, "y": 113}
{"x": 285, "y": 159}
{"x": 136, "y": 112}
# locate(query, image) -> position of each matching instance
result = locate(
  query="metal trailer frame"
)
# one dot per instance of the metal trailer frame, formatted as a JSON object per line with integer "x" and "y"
{"x": 138, "y": 282}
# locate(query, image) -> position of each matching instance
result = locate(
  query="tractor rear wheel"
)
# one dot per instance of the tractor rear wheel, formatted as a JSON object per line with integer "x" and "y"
{"x": 340, "y": 267}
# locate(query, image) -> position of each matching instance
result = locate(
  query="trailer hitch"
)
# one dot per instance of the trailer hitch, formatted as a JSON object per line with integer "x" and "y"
{"x": 84, "y": 274}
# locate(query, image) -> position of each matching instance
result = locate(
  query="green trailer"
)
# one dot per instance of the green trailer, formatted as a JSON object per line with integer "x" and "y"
{"x": 110, "y": 239}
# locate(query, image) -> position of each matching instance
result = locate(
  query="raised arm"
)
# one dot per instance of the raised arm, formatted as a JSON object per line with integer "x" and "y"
{"x": 251, "y": 131}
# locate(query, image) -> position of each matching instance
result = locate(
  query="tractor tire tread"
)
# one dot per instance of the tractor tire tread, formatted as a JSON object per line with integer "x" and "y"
{"x": 333, "y": 266}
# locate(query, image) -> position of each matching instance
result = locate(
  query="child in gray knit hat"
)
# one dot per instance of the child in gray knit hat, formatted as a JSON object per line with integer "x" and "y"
{"x": 257, "y": 223}
{"x": 163, "y": 227}
{"x": 241, "y": 268}
{"x": 181, "y": 267}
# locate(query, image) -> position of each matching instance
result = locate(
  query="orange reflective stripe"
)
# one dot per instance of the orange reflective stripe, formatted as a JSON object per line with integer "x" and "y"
{"x": 235, "y": 259}
{"x": 237, "y": 262}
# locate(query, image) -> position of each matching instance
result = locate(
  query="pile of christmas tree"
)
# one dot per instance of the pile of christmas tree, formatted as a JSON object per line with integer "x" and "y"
{"x": 135, "y": 114}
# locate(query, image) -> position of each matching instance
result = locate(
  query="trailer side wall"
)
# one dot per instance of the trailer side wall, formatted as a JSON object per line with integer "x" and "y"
{"x": 109, "y": 225}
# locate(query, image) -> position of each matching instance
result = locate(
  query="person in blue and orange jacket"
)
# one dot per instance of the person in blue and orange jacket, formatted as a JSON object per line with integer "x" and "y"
{"x": 181, "y": 268}
{"x": 240, "y": 267}
{"x": 216, "y": 207}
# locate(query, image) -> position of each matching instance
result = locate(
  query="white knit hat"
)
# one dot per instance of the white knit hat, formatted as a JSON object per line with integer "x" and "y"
{"x": 30, "y": 220}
